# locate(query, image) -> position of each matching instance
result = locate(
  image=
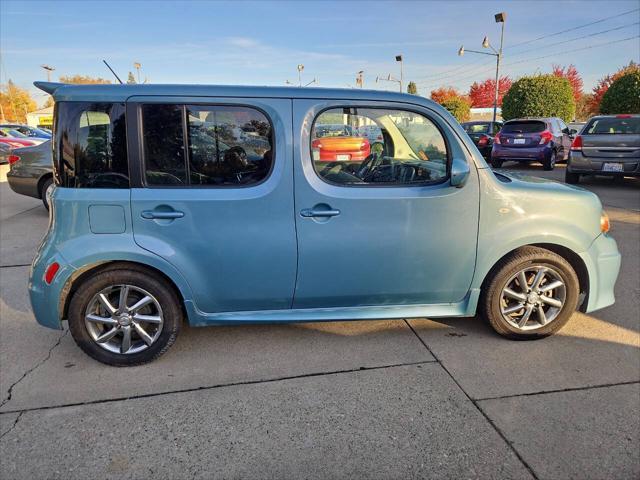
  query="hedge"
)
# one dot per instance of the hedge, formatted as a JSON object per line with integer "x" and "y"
{"x": 623, "y": 96}
{"x": 539, "y": 96}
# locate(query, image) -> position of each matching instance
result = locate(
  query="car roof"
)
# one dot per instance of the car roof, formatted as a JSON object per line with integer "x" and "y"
{"x": 624, "y": 115}
{"x": 122, "y": 92}
{"x": 524, "y": 119}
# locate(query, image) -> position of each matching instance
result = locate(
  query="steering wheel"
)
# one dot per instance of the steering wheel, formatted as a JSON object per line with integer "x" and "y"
{"x": 368, "y": 164}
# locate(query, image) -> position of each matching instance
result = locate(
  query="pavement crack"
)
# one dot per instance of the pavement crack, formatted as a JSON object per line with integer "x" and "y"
{"x": 558, "y": 390}
{"x": 15, "y": 265}
{"x": 36, "y": 366}
{"x": 222, "y": 385}
{"x": 15, "y": 422}
{"x": 476, "y": 405}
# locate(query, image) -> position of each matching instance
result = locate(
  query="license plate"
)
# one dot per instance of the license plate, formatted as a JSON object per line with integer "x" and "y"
{"x": 612, "y": 167}
{"x": 343, "y": 158}
{"x": 519, "y": 141}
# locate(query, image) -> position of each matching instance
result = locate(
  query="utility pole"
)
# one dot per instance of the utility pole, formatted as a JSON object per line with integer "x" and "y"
{"x": 360, "y": 79}
{"x": 49, "y": 69}
{"x": 500, "y": 18}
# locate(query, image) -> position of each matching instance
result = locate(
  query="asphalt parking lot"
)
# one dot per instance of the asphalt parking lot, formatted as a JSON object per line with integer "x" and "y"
{"x": 389, "y": 399}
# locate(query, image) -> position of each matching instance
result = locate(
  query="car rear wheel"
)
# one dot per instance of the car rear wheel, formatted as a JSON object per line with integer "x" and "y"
{"x": 530, "y": 294}
{"x": 124, "y": 317}
{"x": 550, "y": 163}
{"x": 45, "y": 191}
{"x": 495, "y": 163}
{"x": 571, "y": 178}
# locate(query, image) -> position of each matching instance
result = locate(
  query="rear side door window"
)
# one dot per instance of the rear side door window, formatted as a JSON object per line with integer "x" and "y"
{"x": 205, "y": 145}
{"x": 378, "y": 147}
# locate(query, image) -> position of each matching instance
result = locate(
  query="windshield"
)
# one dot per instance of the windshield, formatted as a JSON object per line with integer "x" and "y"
{"x": 616, "y": 126}
{"x": 476, "y": 127}
{"x": 529, "y": 126}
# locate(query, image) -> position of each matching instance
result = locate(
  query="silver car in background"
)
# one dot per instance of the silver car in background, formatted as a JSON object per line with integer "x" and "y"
{"x": 607, "y": 145}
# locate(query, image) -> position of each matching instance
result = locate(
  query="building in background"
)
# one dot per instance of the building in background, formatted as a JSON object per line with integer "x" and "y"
{"x": 485, "y": 114}
{"x": 41, "y": 118}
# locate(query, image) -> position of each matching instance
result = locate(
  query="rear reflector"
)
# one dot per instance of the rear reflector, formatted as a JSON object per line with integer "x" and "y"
{"x": 13, "y": 159}
{"x": 605, "y": 225}
{"x": 50, "y": 273}
{"x": 577, "y": 143}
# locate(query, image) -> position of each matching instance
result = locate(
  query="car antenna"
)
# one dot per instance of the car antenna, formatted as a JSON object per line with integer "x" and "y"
{"x": 114, "y": 73}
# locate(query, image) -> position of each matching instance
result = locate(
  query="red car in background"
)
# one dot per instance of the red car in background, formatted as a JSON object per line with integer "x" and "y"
{"x": 337, "y": 143}
{"x": 16, "y": 141}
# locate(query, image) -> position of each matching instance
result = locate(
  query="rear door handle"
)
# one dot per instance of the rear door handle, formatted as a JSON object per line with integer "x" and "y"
{"x": 308, "y": 213}
{"x": 151, "y": 215}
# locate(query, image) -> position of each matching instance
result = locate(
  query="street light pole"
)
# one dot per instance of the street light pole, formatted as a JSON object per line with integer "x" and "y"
{"x": 500, "y": 18}
{"x": 399, "y": 59}
{"x": 49, "y": 69}
{"x": 300, "y": 69}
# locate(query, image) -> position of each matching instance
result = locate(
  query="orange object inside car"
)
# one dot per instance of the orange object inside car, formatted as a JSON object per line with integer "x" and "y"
{"x": 341, "y": 148}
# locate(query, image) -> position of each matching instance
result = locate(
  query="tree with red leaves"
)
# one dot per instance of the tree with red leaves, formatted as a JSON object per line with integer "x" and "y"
{"x": 604, "y": 83}
{"x": 482, "y": 94}
{"x": 442, "y": 94}
{"x": 571, "y": 74}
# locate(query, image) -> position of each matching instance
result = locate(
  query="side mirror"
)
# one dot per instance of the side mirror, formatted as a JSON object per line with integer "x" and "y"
{"x": 459, "y": 172}
{"x": 573, "y": 131}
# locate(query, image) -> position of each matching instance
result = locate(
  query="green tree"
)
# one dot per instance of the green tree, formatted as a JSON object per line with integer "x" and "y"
{"x": 458, "y": 107}
{"x": 15, "y": 103}
{"x": 131, "y": 80}
{"x": 540, "y": 96}
{"x": 412, "y": 88}
{"x": 623, "y": 96}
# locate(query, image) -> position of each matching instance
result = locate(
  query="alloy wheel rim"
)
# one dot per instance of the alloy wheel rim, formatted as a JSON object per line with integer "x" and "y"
{"x": 533, "y": 298}
{"x": 124, "y": 319}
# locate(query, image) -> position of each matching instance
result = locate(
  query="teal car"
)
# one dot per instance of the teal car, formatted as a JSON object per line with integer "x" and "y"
{"x": 166, "y": 211}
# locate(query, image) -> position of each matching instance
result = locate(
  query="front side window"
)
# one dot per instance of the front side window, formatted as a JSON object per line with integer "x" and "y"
{"x": 205, "y": 145}
{"x": 91, "y": 145}
{"x": 377, "y": 147}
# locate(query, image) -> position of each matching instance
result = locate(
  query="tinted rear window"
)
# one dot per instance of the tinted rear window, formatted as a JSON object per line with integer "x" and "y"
{"x": 530, "y": 126}
{"x": 91, "y": 145}
{"x": 476, "y": 127}
{"x": 599, "y": 126}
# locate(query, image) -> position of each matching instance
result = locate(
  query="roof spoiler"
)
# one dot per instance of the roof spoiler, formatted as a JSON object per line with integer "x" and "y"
{"x": 49, "y": 87}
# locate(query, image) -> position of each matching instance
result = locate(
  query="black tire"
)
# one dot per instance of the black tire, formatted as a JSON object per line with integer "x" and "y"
{"x": 571, "y": 178}
{"x": 43, "y": 191}
{"x": 508, "y": 267}
{"x": 550, "y": 163}
{"x": 495, "y": 163}
{"x": 138, "y": 277}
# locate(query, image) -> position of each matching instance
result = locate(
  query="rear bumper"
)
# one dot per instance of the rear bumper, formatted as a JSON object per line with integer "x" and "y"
{"x": 23, "y": 185}
{"x": 45, "y": 299}
{"x": 602, "y": 260}
{"x": 578, "y": 163}
{"x": 532, "y": 154}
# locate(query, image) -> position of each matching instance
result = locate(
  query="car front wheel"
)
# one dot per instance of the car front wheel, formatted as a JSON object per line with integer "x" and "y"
{"x": 124, "y": 317}
{"x": 530, "y": 294}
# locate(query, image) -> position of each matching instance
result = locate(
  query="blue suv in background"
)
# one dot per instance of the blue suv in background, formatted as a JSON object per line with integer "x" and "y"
{"x": 544, "y": 140}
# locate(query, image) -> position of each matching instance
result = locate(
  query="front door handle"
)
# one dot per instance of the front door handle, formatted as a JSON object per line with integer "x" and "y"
{"x": 152, "y": 215}
{"x": 309, "y": 212}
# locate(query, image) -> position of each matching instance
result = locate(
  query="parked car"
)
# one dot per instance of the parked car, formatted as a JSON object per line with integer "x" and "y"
{"x": 331, "y": 143}
{"x": 424, "y": 229}
{"x": 5, "y": 151}
{"x": 482, "y": 134}
{"x": 544, "y": 140}
{"x": 608, "y": 145}
{"x": 577, "y": 126}
{"x": 16, "y": 139}
{"x": 31, "y": 171}
{"x": 27, "y": 130}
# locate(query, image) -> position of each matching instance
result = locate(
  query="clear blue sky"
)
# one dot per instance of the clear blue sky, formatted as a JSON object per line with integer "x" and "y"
{"x": 261, "y": 43}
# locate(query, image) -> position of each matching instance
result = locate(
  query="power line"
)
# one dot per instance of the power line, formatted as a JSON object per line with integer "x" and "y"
{"x": 446, "y": 72}
{"x": 574, "y": 28}
{"x": 577, "y": 38}
{"x": 588, "y": 47}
